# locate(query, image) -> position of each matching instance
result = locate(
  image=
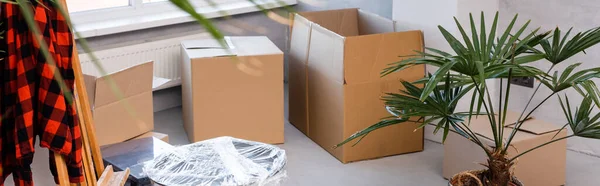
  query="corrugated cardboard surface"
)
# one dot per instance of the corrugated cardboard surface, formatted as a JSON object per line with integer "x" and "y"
{"x": 186, "y": 92}
{"x": 117, "y": 119}
{"x": 298, "y": 56}
{"x": 364, "y": 108}
{"x": 366, "y": 56}
{"x": 326, "y": 112}
{"x": 90, "y": 85}
{"x": 326, "y": 55}
{"x": 334, "y": 77}
{"x": 240, "y": 97}
{"x": 544, "y": 166}
{"x": 132, "y": 81}
{"x": 369, "y": 23}
{"x": 161, "y": 136}
{"x": 343, "y": 22}
{"x": 115, "y": 123}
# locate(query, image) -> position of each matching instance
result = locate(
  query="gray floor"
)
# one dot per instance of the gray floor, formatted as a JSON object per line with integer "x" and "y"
{"x": 309, "y": 164}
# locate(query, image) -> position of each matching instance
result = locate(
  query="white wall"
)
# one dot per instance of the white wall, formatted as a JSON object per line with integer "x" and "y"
{"x": 548, "y": 14}
{"x": 426, "y": 15}
{"x": 379, "y": 7}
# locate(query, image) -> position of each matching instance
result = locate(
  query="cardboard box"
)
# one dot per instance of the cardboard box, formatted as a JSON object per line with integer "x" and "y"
{"x": 336, "y": 57}
{"x": 161, "y": 136}
{"x": 117, "y": 119}
{"x": 239, "y": 96}
{"x": 543, "y": 166}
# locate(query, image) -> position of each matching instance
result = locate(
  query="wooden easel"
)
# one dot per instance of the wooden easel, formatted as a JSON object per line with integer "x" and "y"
{"x": 92, "y": 156}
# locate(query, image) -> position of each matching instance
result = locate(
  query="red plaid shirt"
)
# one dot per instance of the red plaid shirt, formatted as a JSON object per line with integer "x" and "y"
{"x": 31, "y": 102}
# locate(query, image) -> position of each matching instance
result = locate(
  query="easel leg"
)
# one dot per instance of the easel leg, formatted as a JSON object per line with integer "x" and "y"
{"x": 89, "y": 173}
{"x": 87, "y": 124}
{"x": 61, "y": 169}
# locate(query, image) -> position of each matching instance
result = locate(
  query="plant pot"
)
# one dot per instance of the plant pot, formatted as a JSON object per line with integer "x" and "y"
{"x": 471, "y": 181}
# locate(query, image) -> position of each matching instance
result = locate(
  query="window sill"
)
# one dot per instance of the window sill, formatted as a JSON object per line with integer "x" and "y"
{"x": 169, "y": 18}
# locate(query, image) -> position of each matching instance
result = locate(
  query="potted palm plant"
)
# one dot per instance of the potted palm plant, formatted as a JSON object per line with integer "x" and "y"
{"x": 482, "y": 55}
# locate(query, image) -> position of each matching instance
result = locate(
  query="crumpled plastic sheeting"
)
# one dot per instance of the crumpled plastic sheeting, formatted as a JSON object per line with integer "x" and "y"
{"x": 219, "y": 161}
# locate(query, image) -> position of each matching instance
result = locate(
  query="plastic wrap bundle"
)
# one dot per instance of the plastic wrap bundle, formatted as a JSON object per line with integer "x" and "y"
{"x": 218, "y": 161}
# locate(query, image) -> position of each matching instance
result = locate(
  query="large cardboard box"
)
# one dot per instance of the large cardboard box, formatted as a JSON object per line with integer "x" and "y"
{"x": 543, "y": 166}
{"x": 234, "y": 91}
{"x": 117, "y": 119}
{"x": 336, "y": 57}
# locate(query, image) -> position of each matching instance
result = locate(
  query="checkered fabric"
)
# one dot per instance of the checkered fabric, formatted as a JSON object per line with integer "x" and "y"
{"x": 32, "y": 102}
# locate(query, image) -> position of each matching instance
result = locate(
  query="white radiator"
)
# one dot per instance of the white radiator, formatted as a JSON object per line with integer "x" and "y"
{"x": 165, "y": 54}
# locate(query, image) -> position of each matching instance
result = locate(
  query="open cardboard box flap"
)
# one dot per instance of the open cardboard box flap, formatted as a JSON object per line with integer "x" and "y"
{"x": 235, "y": 46}
{"x": 203, "y": 44}
{"x": 204, "y": 48}
{"x": 367, "y": 55}
{"x": 354, "y": 45}
{"x": 536, "y": 127}
{"x": 480, "y": 123}
{"x": 90, "y": 86}
{"x": 342, "y": 22}
{"x": 370, "y": 23}
{"x": 124, "y": 115}
{"x": 529, "y": 129}
{"x": 350, "y": 22}
{"x": 130, "y": 82}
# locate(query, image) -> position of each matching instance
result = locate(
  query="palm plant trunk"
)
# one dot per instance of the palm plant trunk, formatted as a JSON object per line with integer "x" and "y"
{"x": 498, "y": 173}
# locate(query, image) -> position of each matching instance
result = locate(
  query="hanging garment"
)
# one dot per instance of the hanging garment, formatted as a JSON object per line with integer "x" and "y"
{"x": 31, "y": 101}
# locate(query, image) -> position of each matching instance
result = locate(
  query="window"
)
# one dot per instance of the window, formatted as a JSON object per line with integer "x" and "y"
{"x": 87, "y": 5}
{"x": 108, "y": 9}
{"x": 102, "y": 17}
{"x": 87, "y": 11}
{"x": 153, "y": 1}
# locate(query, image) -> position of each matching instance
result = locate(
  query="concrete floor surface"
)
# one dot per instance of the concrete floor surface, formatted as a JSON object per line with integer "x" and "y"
{"x": 310, "y": 165}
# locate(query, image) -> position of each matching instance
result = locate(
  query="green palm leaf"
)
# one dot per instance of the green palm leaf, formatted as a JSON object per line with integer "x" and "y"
{"x": 589, "y": 88}
{"x": 582, "y": 122}
{"x": 438, "y": 107}
{"x": 433, "y": 80}
{"x": 558, "y": 50}
{"x": 363, "y": 133}
{"x": 566, "y": 80}
{"x": 478, "y": 52}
